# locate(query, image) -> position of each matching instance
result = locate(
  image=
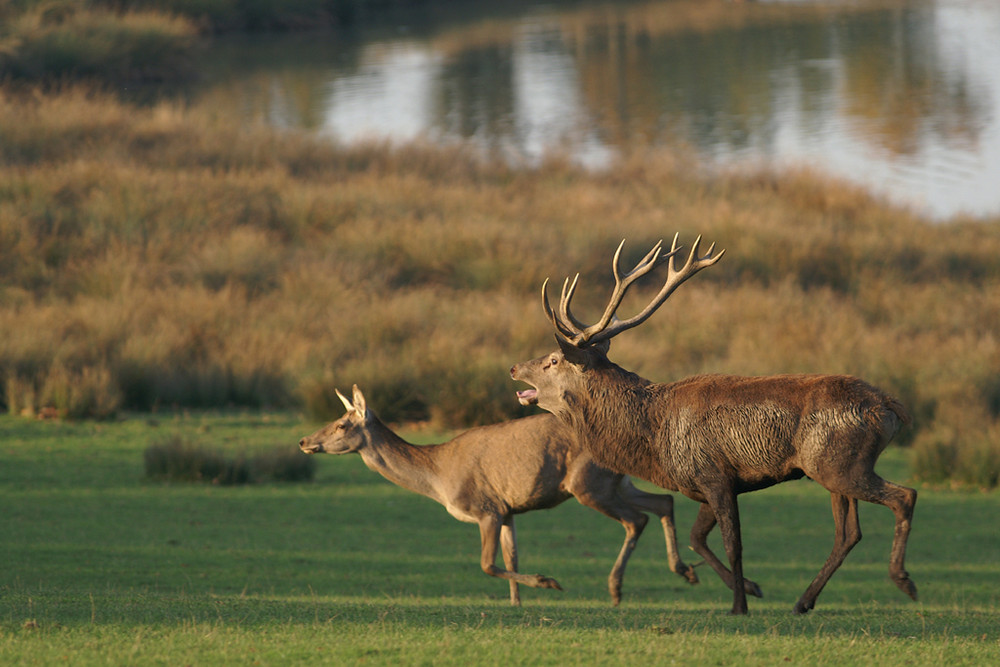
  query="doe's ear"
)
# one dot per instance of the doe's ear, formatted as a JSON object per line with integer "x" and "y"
{"x": 343, "y": 399}
{"x": 359, "y": 402}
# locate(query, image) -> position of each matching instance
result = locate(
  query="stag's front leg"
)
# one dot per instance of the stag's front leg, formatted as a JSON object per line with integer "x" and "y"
{"x": 727, "y": 513}
{"x": 703, "y": 525}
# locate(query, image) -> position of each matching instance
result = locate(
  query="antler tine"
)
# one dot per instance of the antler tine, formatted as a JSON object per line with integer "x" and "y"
{"x": 622, "y": 283}
{"x": 568, "y": 319}
{"x": 562, "y": 328}
{"x": 675, "y": 277}
{"x": 675, "y": 248}
{"x": 581, "y": 332}
{"x": 577, "y": 333}
{"x": 646, "y": 264}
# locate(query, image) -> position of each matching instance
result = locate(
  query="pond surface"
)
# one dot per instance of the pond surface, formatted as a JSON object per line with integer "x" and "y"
{"x": 900, "y": 95}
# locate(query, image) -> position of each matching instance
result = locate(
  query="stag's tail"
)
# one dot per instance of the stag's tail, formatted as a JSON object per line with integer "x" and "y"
{"x": 899, "y": 409}
{"x": 894, "y": 416}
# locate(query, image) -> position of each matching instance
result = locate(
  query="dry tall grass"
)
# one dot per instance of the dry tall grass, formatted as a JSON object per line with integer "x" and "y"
{"x": 53, "y": 39}
{"x": 158, "y": 257}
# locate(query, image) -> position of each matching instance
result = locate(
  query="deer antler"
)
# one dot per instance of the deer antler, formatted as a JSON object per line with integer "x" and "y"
{"x": 581, "y": 335}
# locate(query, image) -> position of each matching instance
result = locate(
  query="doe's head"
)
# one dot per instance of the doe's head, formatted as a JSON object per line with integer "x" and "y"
{"x": 345, "y": 435}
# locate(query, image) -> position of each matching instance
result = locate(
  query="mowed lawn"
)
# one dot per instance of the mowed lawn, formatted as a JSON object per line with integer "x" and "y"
{"x": 99, "y": 566}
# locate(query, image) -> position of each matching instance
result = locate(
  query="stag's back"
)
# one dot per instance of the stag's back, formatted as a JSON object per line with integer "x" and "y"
{"x": 763, "y": 430}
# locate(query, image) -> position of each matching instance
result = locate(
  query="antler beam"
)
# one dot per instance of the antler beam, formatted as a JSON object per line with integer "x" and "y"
{"x": 580, "y": 335}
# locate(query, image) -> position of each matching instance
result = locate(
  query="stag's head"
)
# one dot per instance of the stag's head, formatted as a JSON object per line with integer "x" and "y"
{"x": 347, "y": 434}
{"x": 557, "y": 377}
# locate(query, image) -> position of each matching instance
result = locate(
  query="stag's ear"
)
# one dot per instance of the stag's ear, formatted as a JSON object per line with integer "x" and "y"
{"x": 570, "y": 352}
{"x": 579, "y": 355}
{"x": 359, "y": 402}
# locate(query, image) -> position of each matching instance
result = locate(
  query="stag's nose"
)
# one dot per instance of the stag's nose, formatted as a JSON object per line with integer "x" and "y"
{"x": 513, "y": 369}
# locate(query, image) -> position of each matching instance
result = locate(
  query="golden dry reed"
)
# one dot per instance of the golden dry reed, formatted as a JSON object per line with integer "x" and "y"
{"x": 158, "y": 257}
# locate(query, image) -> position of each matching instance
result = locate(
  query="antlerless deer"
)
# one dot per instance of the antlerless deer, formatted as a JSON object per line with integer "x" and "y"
{"x": 490, "y": 473}
{"x": 713, "y": 437}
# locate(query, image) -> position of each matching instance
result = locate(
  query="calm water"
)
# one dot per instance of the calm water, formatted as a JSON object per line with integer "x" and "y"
{"x": 901, "y": 95}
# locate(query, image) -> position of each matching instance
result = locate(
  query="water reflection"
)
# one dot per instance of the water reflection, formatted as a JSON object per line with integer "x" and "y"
{"x": 390, "y": 94}
{"x": 902, "y": 95}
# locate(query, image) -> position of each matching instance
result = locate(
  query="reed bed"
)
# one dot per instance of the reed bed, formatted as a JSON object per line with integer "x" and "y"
{"x": 54, "y": 40}
{"x": 156, "y": 257}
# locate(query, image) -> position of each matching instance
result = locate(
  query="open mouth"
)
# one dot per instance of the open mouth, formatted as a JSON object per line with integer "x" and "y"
{"x": 528, "y": 397}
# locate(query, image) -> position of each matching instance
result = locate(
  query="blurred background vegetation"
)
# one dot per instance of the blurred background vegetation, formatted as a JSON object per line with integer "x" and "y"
{"x": 156, "y": 256}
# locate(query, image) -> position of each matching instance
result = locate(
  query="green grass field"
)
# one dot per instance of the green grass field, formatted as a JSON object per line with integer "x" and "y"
{"x": 100, "y": 566}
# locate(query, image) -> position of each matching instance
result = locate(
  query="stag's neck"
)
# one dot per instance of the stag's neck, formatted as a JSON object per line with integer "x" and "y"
{"x": 618, "y": 420}
{"x": 402, "y": 463}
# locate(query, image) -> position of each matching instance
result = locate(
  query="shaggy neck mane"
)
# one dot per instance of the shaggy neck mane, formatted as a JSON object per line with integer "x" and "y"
{"x": 610, "y": 412}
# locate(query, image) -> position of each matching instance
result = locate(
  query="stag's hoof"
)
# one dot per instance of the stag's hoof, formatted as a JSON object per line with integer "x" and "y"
{"x": 546, "y": 582}
{"x": 802, "y": 607}
{"x": 688, "y": 573}
{"x": 906, "y": 585}
{"x": 752, "y": 588}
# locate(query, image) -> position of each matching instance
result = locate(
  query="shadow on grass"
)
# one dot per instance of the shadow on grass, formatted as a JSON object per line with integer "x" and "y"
{"x": 133, "y": 609}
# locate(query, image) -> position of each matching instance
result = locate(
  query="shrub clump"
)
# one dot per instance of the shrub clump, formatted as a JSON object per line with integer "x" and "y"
{"x": 58, "y": 391}
{"x": 962, "y": 459}
{"x": 52, "y": 41}
{"x": 178, "y": 459}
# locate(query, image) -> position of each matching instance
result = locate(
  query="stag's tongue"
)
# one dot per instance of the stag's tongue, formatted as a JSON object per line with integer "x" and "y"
{"x": 528, "y": 396}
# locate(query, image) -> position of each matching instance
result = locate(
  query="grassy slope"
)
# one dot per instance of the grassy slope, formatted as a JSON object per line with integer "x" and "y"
{"x": 158, "y": 257}
{"x": 102, "y": 567}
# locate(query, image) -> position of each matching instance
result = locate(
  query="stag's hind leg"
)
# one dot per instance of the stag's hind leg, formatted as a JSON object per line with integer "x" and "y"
{"x": 901, "y": 500}
{"x": 847, "y": 533}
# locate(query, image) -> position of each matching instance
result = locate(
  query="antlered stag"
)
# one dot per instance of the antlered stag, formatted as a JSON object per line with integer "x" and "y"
{"x": 490, "y": 473}
{"x": 713, "y": 437}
